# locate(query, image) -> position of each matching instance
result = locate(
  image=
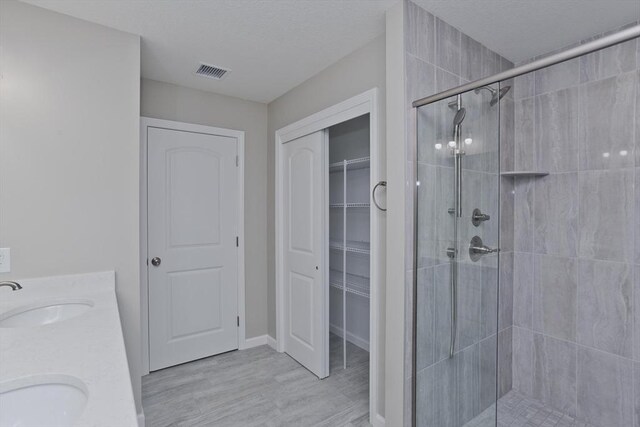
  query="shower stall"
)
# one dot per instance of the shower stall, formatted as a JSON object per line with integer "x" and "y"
{"x": 526, "y": 284}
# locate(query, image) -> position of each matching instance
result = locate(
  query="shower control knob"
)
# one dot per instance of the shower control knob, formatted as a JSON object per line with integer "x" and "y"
{"x": 477, "y": 217}
{"x": 477, "y": 249}
{"x": 156, "y": 261}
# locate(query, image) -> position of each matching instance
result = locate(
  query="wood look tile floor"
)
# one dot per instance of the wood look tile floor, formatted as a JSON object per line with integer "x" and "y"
{"x": 259, "y": 387}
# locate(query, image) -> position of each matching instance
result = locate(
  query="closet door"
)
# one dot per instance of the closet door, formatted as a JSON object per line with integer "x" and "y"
{"x": 305, "y": 292}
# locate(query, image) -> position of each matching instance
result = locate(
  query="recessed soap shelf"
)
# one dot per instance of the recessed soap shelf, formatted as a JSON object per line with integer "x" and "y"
{"x": 524, "y": 174}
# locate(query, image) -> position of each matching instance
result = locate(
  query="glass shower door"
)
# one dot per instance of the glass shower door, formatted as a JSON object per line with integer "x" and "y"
{"x": 457, "y": 237}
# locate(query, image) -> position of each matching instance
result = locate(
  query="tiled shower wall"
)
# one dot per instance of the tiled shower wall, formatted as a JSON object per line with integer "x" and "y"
{"x": 576, "y": 261}
{"x": 453, "y": 391}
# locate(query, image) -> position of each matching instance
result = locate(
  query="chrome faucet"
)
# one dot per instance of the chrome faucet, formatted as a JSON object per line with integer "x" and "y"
{"x": 13, "y": 285}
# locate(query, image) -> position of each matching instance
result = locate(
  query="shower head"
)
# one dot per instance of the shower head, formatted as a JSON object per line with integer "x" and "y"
{"x": 495, "y": 94}
{"x": 459, "y": 117}
{"x": 457, "y": 121}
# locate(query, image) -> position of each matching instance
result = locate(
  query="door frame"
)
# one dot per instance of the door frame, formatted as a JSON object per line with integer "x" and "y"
{"x": 364, "y": 103}
{"x": 147, "y": 122}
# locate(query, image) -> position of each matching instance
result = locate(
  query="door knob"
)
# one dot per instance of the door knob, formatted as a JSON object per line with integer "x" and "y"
{"x": 477, "y": 249}
{"x": 156, "y": 261}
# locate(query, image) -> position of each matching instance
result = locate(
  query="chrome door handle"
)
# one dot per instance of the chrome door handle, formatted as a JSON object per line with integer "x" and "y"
{"x": 156, "y": 261}
{"x": 477, "y": 249}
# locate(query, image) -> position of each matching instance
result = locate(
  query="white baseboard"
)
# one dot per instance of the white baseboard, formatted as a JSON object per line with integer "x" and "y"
{"x": 253, "y": 342}
{"x": 353, "y": 339}
{"x": 141, "y": 420}
{"x": 271, "y": 342}
{"x": 378, "y": 421}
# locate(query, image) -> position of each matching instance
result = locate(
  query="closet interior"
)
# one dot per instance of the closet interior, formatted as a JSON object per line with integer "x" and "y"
{"x": 349, "y": 236}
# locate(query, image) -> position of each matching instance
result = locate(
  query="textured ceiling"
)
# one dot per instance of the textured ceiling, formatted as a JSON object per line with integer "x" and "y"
{"x": 271, "y": 46}
{"x": 522, "y": 29}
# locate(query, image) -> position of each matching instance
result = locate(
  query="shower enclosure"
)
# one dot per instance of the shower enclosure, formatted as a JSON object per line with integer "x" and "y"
{"x": 457, "y": 244}
{"x": 526, "y": 256}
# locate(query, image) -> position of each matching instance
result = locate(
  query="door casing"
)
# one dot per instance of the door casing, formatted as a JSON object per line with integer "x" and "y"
{"x": 146, "y": 122}
{"x": 364, "y": 103}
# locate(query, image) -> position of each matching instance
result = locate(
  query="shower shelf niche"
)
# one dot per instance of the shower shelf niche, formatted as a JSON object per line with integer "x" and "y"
{"x": 524, "y": 174}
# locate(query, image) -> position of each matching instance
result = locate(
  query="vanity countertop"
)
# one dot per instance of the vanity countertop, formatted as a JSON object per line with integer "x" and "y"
{"x": 89, "y": 346}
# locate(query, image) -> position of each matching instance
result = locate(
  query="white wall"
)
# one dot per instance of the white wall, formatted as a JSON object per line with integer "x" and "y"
{"x": 396, "y": 168}
{"x": 170, "y": 102}
{"x": 358, "y": 72}
{"x": 69, "y": 153}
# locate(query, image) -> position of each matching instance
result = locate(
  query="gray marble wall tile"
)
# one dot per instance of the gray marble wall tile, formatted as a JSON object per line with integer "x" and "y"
{"x": 478, "y": 61}
{"x": 442, "y": 288}
{"x": 636, "y": 316}
{"x": 436, "y": 386}
{"x": 556, "y": 214}
{"x": 489, "y": 301}
{"x": 637, "y": 209}
{"x": 434, "y": 132}
{"x": 523, "y": 215}
{"x": 425, "y": 332}
{"x": 606, "y": 215}
{"x": 468, "y": 383}
{"x": 506, "y": 213}
{"x": 556, "y": 131}
{"x": 507, "y": 134}
{"x": 472, "y": 55}
{"x": 420, "y": 37}
{"x": 554, "y": 373}
{"x": 604, "y": 388}
{"x": 411, "y": 12}
{"x": 421, "y": 78}
{"x": 488, "y": 373}
{"x": 481, "y": 126}
{"x": 505, "y": 303}
{"x": 426, "y": 226}
{"x": 446, "y": 80}
{"x": 469, "y": 305}
{"x": 606, "y": 118}
{"x": 559, "y": 76}
{"x": 522, "y": 364}
{"x": 505, "y": 358}
{"x": 444, "y": 220}
{"x": 637, "y": 149}
{"x": 608, "y": 62}
{"x": 524, "y": 135}
{"x": 523, "y": 272}
{"x": 605, "y": 304}
{"x": 554, "y": 296}
{"x": 524, "y": 86}
{"x": 479, "y": 190}
{"x": 447, "y": 47}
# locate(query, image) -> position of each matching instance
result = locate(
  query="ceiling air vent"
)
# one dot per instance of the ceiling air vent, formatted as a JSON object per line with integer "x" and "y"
{"x": 211, "y": 71}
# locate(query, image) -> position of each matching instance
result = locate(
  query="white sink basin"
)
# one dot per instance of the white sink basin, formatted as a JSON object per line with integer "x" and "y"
{"x": 52, "y": 401}
{"x": 44, "y": 313}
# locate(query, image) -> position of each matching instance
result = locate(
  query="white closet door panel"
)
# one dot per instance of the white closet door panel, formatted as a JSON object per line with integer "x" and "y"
{"x": 192, "y": 198}
{"x": 305, "y": 294}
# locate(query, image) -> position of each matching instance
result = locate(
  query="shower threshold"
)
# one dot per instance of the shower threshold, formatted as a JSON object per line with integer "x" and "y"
{"x": 517, "y": 410}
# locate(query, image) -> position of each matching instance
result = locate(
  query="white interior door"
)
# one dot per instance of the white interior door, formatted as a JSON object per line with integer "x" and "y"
{"x": 305, "y": 290}
{"x": 192, "y": 229}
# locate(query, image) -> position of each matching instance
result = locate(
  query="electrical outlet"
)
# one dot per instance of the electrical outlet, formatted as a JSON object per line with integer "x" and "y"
{"x": 5, "y": 260}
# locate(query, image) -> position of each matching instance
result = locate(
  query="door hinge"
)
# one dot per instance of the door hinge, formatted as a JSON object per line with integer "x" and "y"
{"x": 238, "y": 319}
{"x": 237, "y": 242}
{"x": 237, "y": 161}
